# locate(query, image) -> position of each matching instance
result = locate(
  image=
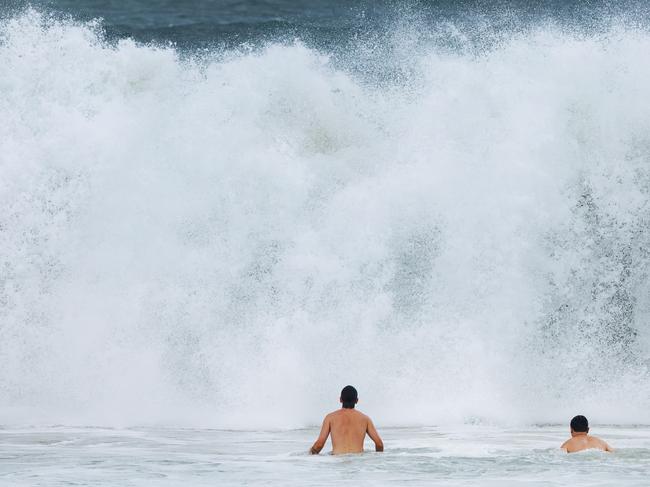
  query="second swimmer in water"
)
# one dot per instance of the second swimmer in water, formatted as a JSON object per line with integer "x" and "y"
{"x": 580, "y": 438}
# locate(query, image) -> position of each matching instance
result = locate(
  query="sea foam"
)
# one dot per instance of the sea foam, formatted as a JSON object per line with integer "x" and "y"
{"x": 227, "y": 241}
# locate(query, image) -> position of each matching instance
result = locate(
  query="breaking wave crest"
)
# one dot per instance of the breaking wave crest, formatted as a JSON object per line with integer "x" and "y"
{"x": 228, "y": 241}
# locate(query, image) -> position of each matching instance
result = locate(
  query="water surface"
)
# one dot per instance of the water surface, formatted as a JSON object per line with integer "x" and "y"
{"x": 469, "y": 455}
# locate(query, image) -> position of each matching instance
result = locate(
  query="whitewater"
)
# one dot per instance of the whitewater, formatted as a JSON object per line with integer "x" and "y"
{"x": 241, "y": 236}
{"x": 194, "y": 242}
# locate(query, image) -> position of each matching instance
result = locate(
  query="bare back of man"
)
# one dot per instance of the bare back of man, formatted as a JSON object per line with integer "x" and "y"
{"x": 584, "y": 441}
{"x": 348, "y": 428}
{"x": 581, "y": 439}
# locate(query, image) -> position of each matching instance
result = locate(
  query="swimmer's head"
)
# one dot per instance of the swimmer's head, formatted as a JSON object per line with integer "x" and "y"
{"x": 349, "y": 397}
{"x": 579, "y": 424}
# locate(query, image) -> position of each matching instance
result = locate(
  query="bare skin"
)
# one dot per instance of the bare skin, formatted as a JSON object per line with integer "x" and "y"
{"x": 348, "y": 428}
{"x": 583, "y": 441}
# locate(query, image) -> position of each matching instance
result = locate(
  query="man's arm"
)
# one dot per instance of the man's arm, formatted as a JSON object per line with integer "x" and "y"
{"x": 322, "y": 438}
{"x": 374, "y": 436}
{"x": 565, "y": 446}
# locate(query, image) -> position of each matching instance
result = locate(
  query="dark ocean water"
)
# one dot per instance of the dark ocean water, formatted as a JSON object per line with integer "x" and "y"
{"x": 326, "y": 23}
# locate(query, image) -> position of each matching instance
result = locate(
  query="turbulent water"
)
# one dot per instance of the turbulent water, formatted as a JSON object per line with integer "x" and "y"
{"x": 455, "y": 221}
{"x": 465, "y": 456}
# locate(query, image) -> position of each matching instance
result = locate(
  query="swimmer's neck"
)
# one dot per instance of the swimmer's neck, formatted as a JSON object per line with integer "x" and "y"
{"x": 579, "y": 433}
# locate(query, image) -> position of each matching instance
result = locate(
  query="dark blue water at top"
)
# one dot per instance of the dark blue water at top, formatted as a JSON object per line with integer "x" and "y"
{"x": 197, "y": 23}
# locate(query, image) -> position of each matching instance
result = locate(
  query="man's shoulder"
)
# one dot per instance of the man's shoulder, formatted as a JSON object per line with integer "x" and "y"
{"x": 364, "y": 416}
{"x": 331, "y": 415}
{"x": 598, "y": 441}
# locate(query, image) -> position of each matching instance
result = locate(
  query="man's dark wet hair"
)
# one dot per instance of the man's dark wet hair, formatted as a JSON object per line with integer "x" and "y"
{"x": 349, "y": 397}
{"x": 579, "y": 424}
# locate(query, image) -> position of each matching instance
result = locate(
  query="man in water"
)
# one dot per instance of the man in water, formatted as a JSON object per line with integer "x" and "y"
{"x": 580, "y": 438}
{"x": 348, "y": 427}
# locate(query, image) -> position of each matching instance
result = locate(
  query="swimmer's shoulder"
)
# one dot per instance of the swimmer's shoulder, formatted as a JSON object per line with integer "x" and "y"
{"x": 363, "y": 418}
{"x": 600, "y": 443}
{"x": 571, "y": 445}
{"x": 565, "y": 445}
{"x": 358, "y": 413}
{"x": 336, "y": 415}
{"x": 332, "y": 415}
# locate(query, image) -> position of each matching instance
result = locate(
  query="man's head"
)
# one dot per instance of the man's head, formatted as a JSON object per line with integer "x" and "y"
{"x": 349, "y": 397}
{"x": 579, "y": 424}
